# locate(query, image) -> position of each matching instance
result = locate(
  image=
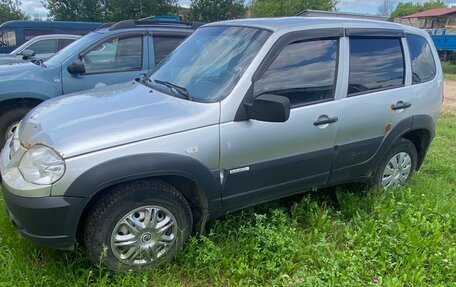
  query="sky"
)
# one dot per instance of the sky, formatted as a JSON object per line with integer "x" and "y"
{"x": 34, "y": 8}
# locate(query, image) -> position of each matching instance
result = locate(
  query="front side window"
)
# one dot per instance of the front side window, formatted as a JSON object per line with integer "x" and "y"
{"x": 375, "y": 64}
{"x": 211, "y": 61}
{"x": 164, "y": 45}
{"x": 115, "y": 55}
{"x": 304, "y": 72}
{"x": 8, "y": 38}
{"x": 49, "y": 46}
{"x": 423, "y": 65}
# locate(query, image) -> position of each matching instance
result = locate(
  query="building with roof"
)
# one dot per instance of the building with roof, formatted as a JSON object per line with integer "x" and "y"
{"x": 431, "y": 19}
{"x": 320, "y": 13}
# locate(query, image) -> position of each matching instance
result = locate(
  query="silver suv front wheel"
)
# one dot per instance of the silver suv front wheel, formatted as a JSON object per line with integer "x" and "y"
{"x": 137, "y": 225}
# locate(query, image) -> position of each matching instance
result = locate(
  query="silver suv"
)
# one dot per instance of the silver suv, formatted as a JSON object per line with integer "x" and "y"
{"x": 241, "y": 113}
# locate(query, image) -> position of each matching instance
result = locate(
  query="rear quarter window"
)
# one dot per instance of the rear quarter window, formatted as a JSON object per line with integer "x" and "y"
{"x": 375, "y": 64}
{"x": 423, "y": 63}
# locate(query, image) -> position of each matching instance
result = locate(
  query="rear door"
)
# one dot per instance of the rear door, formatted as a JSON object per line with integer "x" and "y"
{"x": 378, "y": 99}
{"x": 115, "y": 60}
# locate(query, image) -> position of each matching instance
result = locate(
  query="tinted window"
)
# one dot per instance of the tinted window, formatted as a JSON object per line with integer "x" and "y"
{"x": 304, "y": 72}
{"x": 65, "y": 42}
{"x": 80, "y": 32}
{"x": 423, "y": 65}
{"x": 375, "y": 64}
{"x": 32, "y": 33}
{"x": 164, "y": 45}
{"x": 7, "y": 38}
{"x": 115, "y": 55}
{"x": 49, "y": 46}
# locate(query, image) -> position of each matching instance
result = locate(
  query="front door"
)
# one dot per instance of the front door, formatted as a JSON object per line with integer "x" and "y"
{"x": 116, "y": 60}
{"x": 264, "y": 160}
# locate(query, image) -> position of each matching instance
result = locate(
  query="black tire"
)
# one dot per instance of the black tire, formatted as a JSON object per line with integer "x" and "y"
{"x": 123, "y": 200}
{"x": 8, "y": 118}
{"x": 402, "y": 146}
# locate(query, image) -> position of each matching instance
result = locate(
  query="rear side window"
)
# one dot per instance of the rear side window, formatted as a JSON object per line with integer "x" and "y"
{"x": 423, "y": 65}
{"x": 304, "y": 72}
{"x": 32, "y": 33}
{"x": 164, "y": 45}
{"x": 375, "y": 64}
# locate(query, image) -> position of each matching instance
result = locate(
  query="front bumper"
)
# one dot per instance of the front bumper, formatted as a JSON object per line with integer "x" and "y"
{"x": 47, "y": 221}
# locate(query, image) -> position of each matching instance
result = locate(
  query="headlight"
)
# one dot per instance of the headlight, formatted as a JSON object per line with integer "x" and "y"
{"x": 41, "y": 165}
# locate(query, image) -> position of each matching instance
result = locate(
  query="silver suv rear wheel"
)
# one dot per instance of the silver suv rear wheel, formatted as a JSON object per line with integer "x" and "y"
{"x": 397, "y": 166}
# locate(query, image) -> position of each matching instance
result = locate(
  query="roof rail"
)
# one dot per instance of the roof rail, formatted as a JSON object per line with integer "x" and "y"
{"x": 128, "y": 24}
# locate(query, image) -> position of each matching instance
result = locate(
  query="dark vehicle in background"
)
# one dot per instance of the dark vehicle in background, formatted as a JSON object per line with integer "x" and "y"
{"x": 39, "y": 48}
{"x": 15, "y": 33}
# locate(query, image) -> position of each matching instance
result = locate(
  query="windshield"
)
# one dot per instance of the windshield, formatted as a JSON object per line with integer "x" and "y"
{"x": 7, "y": 38}
{"x": 210, "y": 62}
{"x": 75, "y": 47}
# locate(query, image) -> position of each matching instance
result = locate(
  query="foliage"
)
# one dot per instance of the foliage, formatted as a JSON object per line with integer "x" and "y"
{"x": 76, "y": 10}
{"x": 108, "y": 10}
{"x": 273, "y": 8}
{"x": 386, "y": 8}
{"x": 403, "y": 237}
{"x": 136, "y": 9}
{"x": 216, "y": 10}
{"x": 9, "y": 10}
{"x": 449, "y": 67}
{"x": 408, "y": 8}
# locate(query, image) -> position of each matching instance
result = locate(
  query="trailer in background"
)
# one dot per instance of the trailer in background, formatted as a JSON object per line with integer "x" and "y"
{"x": 445, "y": 42}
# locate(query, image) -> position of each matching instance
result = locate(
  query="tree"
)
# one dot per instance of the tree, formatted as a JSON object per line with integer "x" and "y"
{"x": 76, "y": 10}
{"x": 136, "y": 9}
{"x": 386, "y": 8}
{"x": 216, "y": 10}
{"x": 274, "y": 8}
{"x": 408, "y": 8}
{"x": 9, "y": 10}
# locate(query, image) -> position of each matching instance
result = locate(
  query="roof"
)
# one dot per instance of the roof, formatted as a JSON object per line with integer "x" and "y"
{"x": 275, "y": 24}
{"x": 49, "y": 24}
{"x": 432, "y": 13}
{"x": 319, "y": 13}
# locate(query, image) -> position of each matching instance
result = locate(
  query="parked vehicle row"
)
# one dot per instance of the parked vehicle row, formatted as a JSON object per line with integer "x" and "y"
{"x": 242, "y": 112}
{"x": 39, "y": 48}
{"x": 113, "y": 54}
{"x": 15, "y": 33}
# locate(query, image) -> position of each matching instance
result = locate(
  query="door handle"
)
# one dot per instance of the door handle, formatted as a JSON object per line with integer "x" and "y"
{"x": 400, "y": 105}
{"x": 324, "y": 120}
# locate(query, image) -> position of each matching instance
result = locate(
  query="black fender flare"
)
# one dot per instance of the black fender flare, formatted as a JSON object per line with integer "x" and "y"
{"x": 141, "y": 166}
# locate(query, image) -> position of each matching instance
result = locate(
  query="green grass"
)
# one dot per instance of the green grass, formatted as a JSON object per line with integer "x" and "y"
{"x": 451, "y": 77}
{"x": 449, "y": 68}
{"x": 405, "y": 237}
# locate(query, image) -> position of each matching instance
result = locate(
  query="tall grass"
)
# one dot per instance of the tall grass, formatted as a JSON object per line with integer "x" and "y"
{"x": 449, "y": 68}
{"x": 344, "y": 237}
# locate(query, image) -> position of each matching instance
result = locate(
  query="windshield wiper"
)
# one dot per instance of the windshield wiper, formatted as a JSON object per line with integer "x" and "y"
{"x": 173, "y": 87}
{"x": 144, "y": 79}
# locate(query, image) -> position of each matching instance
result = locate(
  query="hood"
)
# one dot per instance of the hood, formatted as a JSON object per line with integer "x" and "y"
{"x": 115, "y": 115}
{"x": 19, "y": 71}
{"x": 6, "y": 59}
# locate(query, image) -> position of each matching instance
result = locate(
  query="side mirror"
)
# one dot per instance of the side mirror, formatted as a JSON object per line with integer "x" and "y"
{"x": 27, "y": 54}
{"x": 270, "y": 108}
{"x": 76, "y": 68}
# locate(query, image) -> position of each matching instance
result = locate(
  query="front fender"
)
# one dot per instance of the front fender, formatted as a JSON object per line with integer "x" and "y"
{"x": 141, "y": 166}
{"x": 20, "y": 89}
